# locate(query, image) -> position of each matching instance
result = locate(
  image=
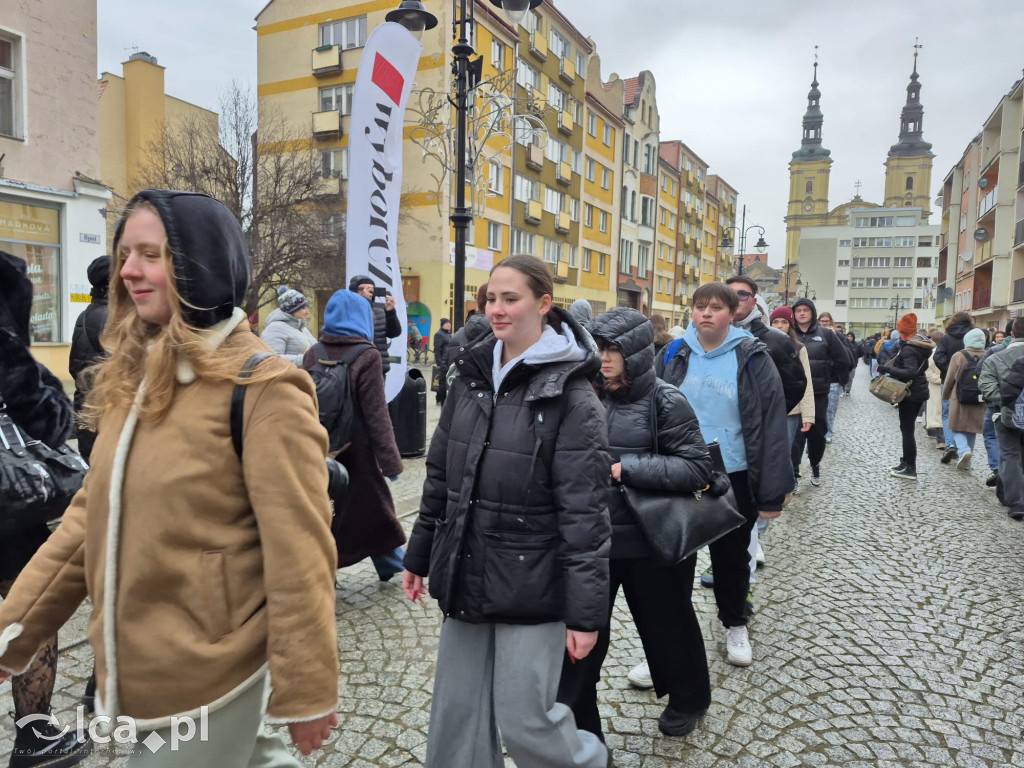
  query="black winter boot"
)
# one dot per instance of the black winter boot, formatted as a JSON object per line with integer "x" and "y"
{"x": 909, "y": 472}
{"x": 40, "y": 744}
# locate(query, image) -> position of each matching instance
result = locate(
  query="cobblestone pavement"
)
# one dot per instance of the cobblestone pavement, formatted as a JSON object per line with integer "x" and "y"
{"x": 887, "y": 633}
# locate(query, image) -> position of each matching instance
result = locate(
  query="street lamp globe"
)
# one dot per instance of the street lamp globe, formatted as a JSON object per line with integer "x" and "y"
{"x": 726, "y": 242}
{"x": 761, "y": 245}
{"x": 413, "y": 16}
{"x": 515, "y": 10}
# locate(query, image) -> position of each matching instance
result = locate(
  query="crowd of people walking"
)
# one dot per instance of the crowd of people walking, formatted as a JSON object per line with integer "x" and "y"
{"x": 209, "y": 547}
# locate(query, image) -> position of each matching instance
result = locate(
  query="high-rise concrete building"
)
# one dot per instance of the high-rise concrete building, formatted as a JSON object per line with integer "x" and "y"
{"x": 981, "y": 255}
{"x": 52, "y": 204}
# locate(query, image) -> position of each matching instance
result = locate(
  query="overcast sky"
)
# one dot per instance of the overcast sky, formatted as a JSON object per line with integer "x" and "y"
{"x": 732, "y": 77}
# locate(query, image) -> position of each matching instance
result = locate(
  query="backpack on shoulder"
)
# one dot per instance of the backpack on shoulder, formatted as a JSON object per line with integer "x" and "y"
{"x": 967, "y": 390}
{"x": 334, "y": 394}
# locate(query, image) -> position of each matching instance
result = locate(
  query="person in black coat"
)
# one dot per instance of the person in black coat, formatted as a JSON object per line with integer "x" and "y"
{"x": 909, "y": 365}
{"x": 780, "y": 347}
{"x": 386, "y": 324}
{"x": 515, "y": 542}
{"x": 830, "y": 362}
{"x": 733, "y": 387}
{"x": 442, "y": 340}
{"x": 34, "y": 399}
{"x": 677, "y": 462}
{"x": 86, "y": 349}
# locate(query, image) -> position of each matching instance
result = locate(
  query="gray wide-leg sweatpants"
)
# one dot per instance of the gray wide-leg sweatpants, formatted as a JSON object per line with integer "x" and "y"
{"x": 503, "y": 678}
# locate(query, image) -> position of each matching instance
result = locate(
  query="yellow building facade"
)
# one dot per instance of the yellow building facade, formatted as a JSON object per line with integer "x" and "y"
{"x": 665, "y": 246}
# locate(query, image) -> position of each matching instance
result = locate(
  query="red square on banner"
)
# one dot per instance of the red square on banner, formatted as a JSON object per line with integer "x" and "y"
{"x": 388, "y": 79}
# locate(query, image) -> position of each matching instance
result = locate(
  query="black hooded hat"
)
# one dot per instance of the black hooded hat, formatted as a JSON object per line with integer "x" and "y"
{"x": 633, "y": 334}
{"x": 98, "y": 273}
{"x": 355, "y": 282}
{"x": 209, "y": 252}
{"x": 814, "y": 311}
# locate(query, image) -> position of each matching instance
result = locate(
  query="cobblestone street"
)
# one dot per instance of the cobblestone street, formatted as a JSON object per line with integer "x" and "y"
{"x": 887, "y": 632}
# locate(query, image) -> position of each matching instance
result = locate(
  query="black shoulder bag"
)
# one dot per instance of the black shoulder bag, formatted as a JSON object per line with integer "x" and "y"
{"x": 37, "y": 482}
{"x": 675, "y": 524}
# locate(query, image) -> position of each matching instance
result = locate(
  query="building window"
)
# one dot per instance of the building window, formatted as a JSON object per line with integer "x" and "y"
{"x": 647, "y": 211}
{"x": 561, "y": 47}
{"x": 496, "y": 178}
{"x": 497, "y": 55}
{"x": 591, "y": 170}
{"x": 557, "y": 98}
{"x": 844, "y": 243}
{"x": 840, "y": 302}
{"x": 905, "y": 221}
{"x": 924, "y": 263}
{"x": 554, "y": 201}
{"x": 625, "y": 255}
{"x": 843, "y": 263}
{"x": 494, "y": 236}
{"x": 588, "y": 216}
{"x": 556, "y": 151}
{"x": 600, "y": 263}
{"x": 903, "y": 261}
{"x": 586, "y": 259}
{"x": 349, "y": 33}
{"x": 608, "y": 136}
{"x": 809, "y": 187}
{"x": 592, "y": 124}
{"x": 606, "y": 178}
{"x": 524, "y": 242}
{"x": 574, "y": 258}
{"x": 604, "y": 221}
{"x": 10, "y": 88}
{"x": 527, "y": 76}
{"x": 338, "y": 97}
{"x": 842, "y": 283}
{"x": 901, "y": 282}
{"x": 876, "y": 282}
{"x": 910, "y": 183}
{"x": 552, "y": 250}
{"x": 643, "y": 260}
{"x": 32, "y": 233}
{"x": 334, "y": 163}
{"x": 526, "y": 189}
{"x": 574, "y": 209}
{"x": 904, "y": 242}
{"x": 581, "y": 64}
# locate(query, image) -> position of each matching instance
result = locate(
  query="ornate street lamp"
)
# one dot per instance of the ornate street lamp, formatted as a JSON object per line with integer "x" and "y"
{"x": 466, "y": 74}
{"x": 741, "y": 230}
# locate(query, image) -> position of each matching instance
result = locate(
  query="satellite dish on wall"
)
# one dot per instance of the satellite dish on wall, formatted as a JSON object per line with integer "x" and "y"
{"x": 980, "y": 234}
{"x": 983, "y": 182}
{"x": 966, "y": 256}
{"x": 947, "y": 292}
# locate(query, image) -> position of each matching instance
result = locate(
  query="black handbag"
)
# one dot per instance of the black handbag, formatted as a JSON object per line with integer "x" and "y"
{"x": 37, "y": 482}
{"x": 435, "y": 379}
{"x": 676, "y": 525}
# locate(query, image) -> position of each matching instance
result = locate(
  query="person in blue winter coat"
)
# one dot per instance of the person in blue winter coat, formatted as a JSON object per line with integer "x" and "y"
{"x": 735, "y": 390}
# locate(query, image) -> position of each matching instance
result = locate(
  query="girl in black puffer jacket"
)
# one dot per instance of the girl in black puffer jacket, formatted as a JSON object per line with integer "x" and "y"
{"x": 678, "y": 463}
{"x": 909, "y": 365}
{"x": 513, "y": 531}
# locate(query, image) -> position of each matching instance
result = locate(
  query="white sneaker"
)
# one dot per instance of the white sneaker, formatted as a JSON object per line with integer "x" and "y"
{"x": 965, "y": 461}
{"x": 737, "y": 646}
{"x": 759, "y": 556}
{"x": 640, "y": 676}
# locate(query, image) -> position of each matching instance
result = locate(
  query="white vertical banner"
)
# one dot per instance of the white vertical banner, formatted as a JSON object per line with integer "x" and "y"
{"x": 386, "y": 72}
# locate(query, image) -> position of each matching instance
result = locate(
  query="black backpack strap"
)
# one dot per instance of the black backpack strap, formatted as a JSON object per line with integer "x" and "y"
{"x": 238, "y": 401}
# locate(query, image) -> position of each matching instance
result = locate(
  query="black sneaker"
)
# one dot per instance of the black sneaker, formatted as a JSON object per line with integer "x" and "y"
{"x": 992, "y": 480}
{"x": 949, "y": 455}
{"x": 89, "y": 697}
{"x": 675, "y": 723}
{"x": 907, "y": 473}
{"x": 41, "y": 745}
{"x": 901, "y": 466}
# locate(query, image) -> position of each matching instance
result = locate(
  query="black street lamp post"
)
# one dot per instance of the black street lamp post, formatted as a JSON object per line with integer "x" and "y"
{"x": 741, "y": 231}
{"x": 466, "y": 74}
{"x": 895, "y": 307}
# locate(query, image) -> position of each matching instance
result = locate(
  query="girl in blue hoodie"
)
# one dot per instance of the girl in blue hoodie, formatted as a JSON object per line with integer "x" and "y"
{"x": 735, "y": 390}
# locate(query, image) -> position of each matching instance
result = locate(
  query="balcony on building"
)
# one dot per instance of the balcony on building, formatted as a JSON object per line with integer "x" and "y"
{"x": 1018, "y": 234}
{"x": 691, "y": 179}
{"x": 567, "y": 71}
{"x": 535, "y": 157}
{"x": 326, "y": 60}
{"x": 539, "y": 45}
{"x": 988, "y": 203}
{"x": 329, "y": 186}
{"x": 562, "y": 222}
{"x": 327, "y": 123}
{"x": 564, "y": 171}
{"x": 1018, "y": 290}
{"x": 645, "y": 234}
{"x": 565, "y": 122}
{"x": 982, "y": 293}
{"x": 533, "y": 211}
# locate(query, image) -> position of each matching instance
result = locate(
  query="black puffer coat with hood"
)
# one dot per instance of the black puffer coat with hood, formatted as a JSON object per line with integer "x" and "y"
{"x": 513, "y": 524}
{"x": 679, "y": 462}
{"x": 952, "y": 341}
{"x": 909, "y": 364}
{"x": 829, "y": 358}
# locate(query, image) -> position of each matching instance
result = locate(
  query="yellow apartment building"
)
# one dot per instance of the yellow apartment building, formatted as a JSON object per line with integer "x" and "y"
{"x": 666, "y": 243}
{"x": 134, "y": 112}
{"x": 709, "y": 237}
{"x": 726, "y": 196}
{"x": 601, "y": 148}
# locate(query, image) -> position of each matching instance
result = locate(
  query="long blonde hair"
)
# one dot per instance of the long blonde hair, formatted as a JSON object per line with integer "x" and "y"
{"x": 142, "y": 350}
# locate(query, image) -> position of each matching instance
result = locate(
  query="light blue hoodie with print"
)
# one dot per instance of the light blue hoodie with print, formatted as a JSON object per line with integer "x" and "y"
{"x": 711, "y": 386}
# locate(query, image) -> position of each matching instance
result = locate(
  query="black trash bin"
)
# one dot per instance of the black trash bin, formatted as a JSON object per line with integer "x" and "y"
{"x": 409, "y": 415}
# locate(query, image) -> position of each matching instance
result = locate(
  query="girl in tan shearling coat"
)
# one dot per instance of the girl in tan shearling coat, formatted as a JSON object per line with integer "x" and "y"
{"x": 211, "y": 576}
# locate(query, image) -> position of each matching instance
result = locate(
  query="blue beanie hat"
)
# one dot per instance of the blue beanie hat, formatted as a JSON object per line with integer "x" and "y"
{"x": 975, "y": 338}
{"x": 348, "y": 314}
{"x": 290, "y": 300}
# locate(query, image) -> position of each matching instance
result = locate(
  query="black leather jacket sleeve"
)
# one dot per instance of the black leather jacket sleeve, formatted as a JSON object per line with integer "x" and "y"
{"x": 34, "y": 397}
{"x": 682, "y": 462}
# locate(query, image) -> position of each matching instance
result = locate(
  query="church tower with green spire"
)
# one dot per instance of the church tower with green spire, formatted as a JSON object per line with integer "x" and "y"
{"x": 808, "y": 176}
{"x": 908, "y": 169}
